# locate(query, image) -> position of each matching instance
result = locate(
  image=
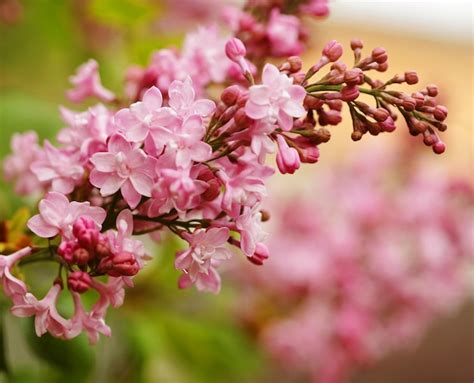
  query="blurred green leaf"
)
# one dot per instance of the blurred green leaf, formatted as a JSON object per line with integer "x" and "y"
{"x": 123, "y": 13}
{"x": 72, "y": 359}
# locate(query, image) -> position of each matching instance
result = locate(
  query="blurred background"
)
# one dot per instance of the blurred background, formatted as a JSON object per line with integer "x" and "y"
{"x": 163, "y": 334}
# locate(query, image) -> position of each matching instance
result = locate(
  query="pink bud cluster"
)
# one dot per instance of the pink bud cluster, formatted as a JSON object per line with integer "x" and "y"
{"x": 165, "y": 156}
{"x": 423, "y": 115}
{"x": 359, "y": 269}
{"x": 273, "y": 28}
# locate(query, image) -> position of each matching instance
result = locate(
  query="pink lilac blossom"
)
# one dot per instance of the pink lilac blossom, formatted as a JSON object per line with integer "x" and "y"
{"x": 13, "y": 287}
{"x": 356, "y": 232}
{"x": 57, "y": 215}
{"x": 184, "y": 150}
{"x": 206, "y": 248}
{"x": 87, "y": 84}
{"x": 59, "y": 167}
{"x": 123, "y": 168}
{"x": 276, "y": 100}
{"x": 17, "y": 165}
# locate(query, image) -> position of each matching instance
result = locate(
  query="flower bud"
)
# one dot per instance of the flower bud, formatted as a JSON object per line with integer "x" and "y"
{"x": 241, "y": 119}
{"x": 387, "y": 125}
{"x": 411, "y": 77}
{"x": 102, "y": 250}
{"x": 86, "y": 232}
{"x": 295, "y": 64}
{"x": 349, "y": 93}
{"x": 287, "y": 159}
{"x": 333, "y": 50}
{"x": 79, "y": 281}
{"x": 116, "y": 265}
{"x": 439, "y": 147}
{"x": 235, "y": 49}
{"x": 213, "y": 190}
{"x": 81, "y": 256}
{"x": 432, "y": 90}
{"x": 357, "y": 44}
{"x": 382, "y": 67}
{"x": 230, "y": 95}
{"x": 354, "y": 77}
{"x": 311, "y": 102}
{"x": 440, "y": 112}
{"x": 261, "y": 254}
{"x": 381, "y": 114}
{"x": 379, "y": 55}
{"x": 308, "y": 150}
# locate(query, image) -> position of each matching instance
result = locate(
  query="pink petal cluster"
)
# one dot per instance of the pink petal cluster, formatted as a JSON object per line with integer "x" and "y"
{"x": 169, "y": 156}
{"x": 277, "y": 100}
{"x": 87, "y": 84}
{"x": 206, "y": 250}
{"x": 123, "y": 167}
{"x": 345, "y": 239}
{"x": 57, "y": 215}
{"x": 17, "y": 166}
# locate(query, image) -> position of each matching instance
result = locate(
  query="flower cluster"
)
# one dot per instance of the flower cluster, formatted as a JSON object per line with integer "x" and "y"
{"x": 167, "y": 157}
{"x": 336, "y": 248}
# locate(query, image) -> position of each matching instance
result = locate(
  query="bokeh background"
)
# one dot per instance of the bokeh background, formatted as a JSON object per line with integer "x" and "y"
{"x": 163, "y": 334}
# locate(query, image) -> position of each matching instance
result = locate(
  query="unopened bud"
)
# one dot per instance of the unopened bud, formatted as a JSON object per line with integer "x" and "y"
{"x": 439, "y": 147}
{"x": 235, "y": 49}
{"x": 295, "y": 64}
{"x": 79, "y": 281}
{"x": 432, "y": 90}
{"x": 440, "y": 113}
{"x": 349, "y": 93}
{"x": 381, "y": 114}
{"x": 356, "y": 44}
{"x": 354, "y": 77}
{"x": 333, "y": 50}
{"x": 81, "y": 256}
{"x": 411, "y": 77}
{"x": 230, "y": 95}
{"x": 379, "y": 55}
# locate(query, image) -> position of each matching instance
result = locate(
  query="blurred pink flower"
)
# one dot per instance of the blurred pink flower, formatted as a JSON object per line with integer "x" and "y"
{"x": 87, "y": 84}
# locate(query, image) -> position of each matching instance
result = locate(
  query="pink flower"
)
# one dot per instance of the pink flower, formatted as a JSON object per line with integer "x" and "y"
{"x": 120, "y": 241}
{"x": 60, "y": 167}
{"x": 47, "y": 318}
{"x": 244, "y": 182}
{"x": 315, "y": 7}
{"x": 17, "y": 165}
{"x": 124, "y": 168}
{"x": 249, "y": 225}
{"x": 210, "y": 281}
{"x": 87, "y": 131}
{"x": 184, "y": 139}
{"x": 12, "y": 286}
{"x": 175, "y": 189}
{"x": 144, "y": 116}
{"x": 87, "y": 84}
{"x": 91, "y": 323}
{"x": 57, "y": 215}
{"x": 277, "y": 100}
{"x": 205, "y": 251}
{"x": 283, "y": 32}
{"x": 207, "y": 62}
{"x": 288, "y": 160}
{"x": 168, "y": 67}
{"x": 182, "y": 100}
{"x": 261, "y": 143}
